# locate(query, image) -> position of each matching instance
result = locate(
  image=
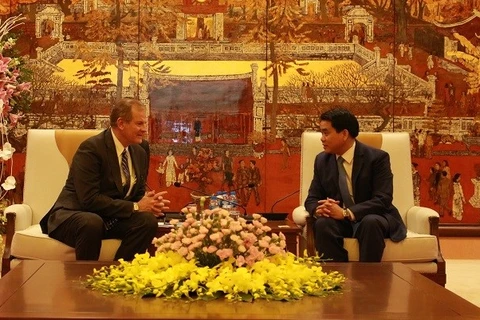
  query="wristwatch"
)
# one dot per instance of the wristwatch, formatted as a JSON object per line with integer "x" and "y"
{"x": 346, "y": 215}
{"x": 135, "y": 207}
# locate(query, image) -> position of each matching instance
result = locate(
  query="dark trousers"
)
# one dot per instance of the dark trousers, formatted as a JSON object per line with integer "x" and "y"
{"x": 371, "y": 232}
{"x": 85, "y": 231}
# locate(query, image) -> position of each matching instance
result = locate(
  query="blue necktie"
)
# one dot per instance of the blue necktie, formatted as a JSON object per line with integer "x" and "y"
{"x": 342, "y": 184}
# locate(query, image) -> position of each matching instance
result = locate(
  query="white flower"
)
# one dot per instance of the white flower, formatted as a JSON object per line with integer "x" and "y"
{"x": 7, "y": 151}
{"x": 9, "y": 183}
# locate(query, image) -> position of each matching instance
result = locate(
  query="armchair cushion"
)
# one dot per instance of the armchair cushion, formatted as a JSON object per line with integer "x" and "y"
{"x": 415, "y": 248}
{"x": 31, "y": 243}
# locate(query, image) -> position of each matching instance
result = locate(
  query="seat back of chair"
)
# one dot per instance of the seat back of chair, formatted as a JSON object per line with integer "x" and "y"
{"x": 48, "y": 156}
{"x": 397, "y": 144}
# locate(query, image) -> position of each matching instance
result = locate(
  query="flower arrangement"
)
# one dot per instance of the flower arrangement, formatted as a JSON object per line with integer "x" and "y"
{"x": 213, "y": 236}
{"x": 13, "y": 90}
{"x": 212, "y": 255}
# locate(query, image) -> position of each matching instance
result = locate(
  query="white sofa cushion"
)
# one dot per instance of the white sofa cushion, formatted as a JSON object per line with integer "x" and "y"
{"x": 31, "y": 243}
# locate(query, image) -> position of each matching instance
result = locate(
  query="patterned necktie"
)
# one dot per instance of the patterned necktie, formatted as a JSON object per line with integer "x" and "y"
{"x": 109, "y": 222}
{"x": 126, "y": 171}
{"x": 342, "y": 184}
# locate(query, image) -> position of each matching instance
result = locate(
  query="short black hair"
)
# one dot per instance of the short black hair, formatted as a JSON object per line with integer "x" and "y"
{"x": 455, "y": 177}
{"x": 342, "y": 119}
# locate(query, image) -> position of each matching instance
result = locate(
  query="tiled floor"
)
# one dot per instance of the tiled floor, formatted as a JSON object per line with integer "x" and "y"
{"x": 463, "y": 279}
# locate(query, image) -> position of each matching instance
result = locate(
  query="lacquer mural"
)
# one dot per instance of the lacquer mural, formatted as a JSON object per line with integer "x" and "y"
{"x": 230, "y": 86}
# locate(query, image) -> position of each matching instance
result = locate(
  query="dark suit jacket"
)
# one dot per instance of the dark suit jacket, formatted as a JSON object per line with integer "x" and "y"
{"x": 372, "y": 183}
{"x": 94, "y": 182}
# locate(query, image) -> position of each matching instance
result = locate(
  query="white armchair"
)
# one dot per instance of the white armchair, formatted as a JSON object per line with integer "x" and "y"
{"x": 48, "y": 156}
{"x": 420, "y": 250}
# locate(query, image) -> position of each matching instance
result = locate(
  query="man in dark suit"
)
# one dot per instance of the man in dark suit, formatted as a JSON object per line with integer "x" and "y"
{"x": 104, "y": 196}
{"x": 351, "y": 192}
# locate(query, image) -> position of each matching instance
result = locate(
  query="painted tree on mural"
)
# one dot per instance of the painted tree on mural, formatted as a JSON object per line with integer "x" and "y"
{"x": 283, "y": 24}
{"x": 60, "y": 103}
{"x": 200, "y": 166}
{"x": 126, "y": 23}
{"x": 471, "y": 60}
{"x": 352, "y": 86}
{"x": 8, "y": 7}
{"x": 419, "y": 9}
{"x": 400, "y": 17}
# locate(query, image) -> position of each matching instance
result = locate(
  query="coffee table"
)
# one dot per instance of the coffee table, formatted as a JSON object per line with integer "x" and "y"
{"x": 291, "y": 231}
{"x": 54, "y": 290}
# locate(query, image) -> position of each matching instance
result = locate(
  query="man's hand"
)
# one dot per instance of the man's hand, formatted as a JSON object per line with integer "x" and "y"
{"x": 154, "y": 202}
{"x": 329, "y": 208}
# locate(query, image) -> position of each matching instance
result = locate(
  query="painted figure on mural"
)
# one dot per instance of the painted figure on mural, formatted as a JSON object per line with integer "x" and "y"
{"x": 285, "y": 149}
{"x": 197, "y": 127}
{"x": 255, "y": 179}
{"x": 475, "y": 199}
{"x": 421, "y": 134}
{"x": 410, "y": 51}
{"x": 446, "y": 95}
{"x": 458, "y": 197}
{"x": 161, "y": 171}
{"x": 429, "y": 145}
{"x": 414, "y": 144}
{"x": 416, "y": 184}
{"x": 443, "y": 193}
{"x": 446, "y": 167}
{"x": 183, "y": 175}
{"x": 170, "y": 165}
{"x": 227, "y": 167}
{"x": 194, "y": 153}
{"x": 241, "y": 179}
{"x": 451, "y": 95}
{"x": 433, "y": 180}
{"x": 430, "y": 62}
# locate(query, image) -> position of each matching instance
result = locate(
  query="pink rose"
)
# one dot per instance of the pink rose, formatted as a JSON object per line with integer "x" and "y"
{"x": 211, "y": 249}
{"x": 263, "y": 244}
{"x": 240, "y": 261}
{"x": 183, "y": 251}
{"x": 176, "y": 245}
{"x": 273, "y": 249}
{"x": 225, "y": 253}
{"x": 186, "y": 240}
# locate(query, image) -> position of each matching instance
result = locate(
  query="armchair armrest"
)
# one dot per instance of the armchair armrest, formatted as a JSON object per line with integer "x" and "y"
{"x": 300, "y": 215}
{"x": 302, "y": 218}
{"x": 422, "y": 220}
{"x": 19, "y": 217}
{"x": 23, "y": 215}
